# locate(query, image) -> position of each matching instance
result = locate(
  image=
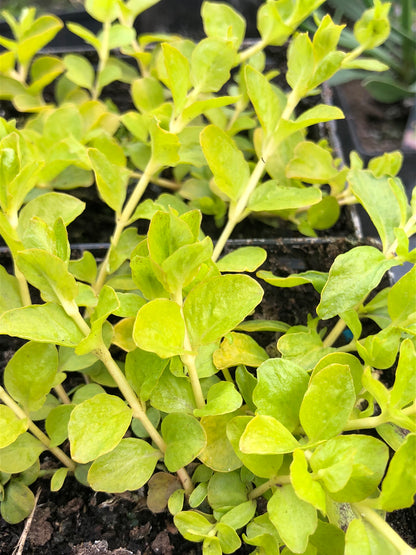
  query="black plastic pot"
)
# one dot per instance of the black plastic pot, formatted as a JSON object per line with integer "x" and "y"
{"x": 350, "y": 140}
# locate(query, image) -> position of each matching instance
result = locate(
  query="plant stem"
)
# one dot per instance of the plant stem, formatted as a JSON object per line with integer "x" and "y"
{"x": 239, "y": 208}
{"x": 227, "y": 375}
{"x": 364, "y": 423}
{"x": 122, "y": 222}
{"x": 381, "y": 526}
{"x": 103, "y": 57}
{"x": 334, "y": 333}
{"x": 250, "y": 51}
{"x": 23, "y": 287}
{"x": 391, "y": 251}
{"x": 189, "y": 359}
{"x": 62, "y": 394}
{"x": 43, "y": 438}
{"x": 277, "y": 481}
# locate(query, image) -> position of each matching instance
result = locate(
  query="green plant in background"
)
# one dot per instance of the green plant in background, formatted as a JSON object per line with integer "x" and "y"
{"x": 247, "y": 448}
{"x": 174, "y": 89}
{"x": 397, "y": 53}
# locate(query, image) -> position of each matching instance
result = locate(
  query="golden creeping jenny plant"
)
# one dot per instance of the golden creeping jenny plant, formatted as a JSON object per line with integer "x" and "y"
{"x": 250, "y": 448}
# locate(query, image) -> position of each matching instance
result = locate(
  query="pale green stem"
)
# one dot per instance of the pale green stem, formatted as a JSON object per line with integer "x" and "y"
{"x": 163, "y": 182}
{"x": 103, "y": 56}
{"x": 391, "y": 251}
{"x": 236, "y": 212}
{"x": 366, "y": 423}
{"x": 251, "y": 51}
{"x": 277, "y": 481}
{"x": 334, "y": 333}
{"x": 23, "y": 287}
{"x": 43, "y": 438}
{"x": 138, "y": 412}
{"x": 62, "y": 394}
{"x": 122, "y": 222}
{"x": 189, "y": 360}
{"x": 227, "y": 375}
{"x": 385, "y": 530}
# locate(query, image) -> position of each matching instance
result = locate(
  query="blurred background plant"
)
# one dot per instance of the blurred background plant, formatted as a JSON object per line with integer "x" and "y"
{"x": 58, "y": 6}
{"x": 398, "y": 52}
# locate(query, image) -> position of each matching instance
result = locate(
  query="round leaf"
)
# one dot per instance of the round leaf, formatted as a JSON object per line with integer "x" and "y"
{"x": 96, "y": 426}
{"x": 185, "y": 438}
{"x": 128, "y": 467}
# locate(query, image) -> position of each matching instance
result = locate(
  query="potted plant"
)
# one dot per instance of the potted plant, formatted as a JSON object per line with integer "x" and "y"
{"x": 134, "y": 369}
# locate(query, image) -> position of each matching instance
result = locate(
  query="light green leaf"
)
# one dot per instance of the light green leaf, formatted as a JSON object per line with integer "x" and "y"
{"x": 182, "y": 266}
{"x": 243, "y": 259}
{"x": 102, "y": 10}
{"x": 362, "y": 538}
{"x": 239, "y": 348}
{"x": 240, "y": 515}
{"x": 56, "y": 424}
{"x": 147, "y": 94}
{"x": 221, "y": 21}
{"x": 18, "y": 502}
{"x": 21, "y": 454}
{"x": 332, "y": 387}
{"x": 185, "y": 438}
{"x": 264, "y": 466}
{"x": 211, "y": 62}
{"x": 317, "y": 279}
{"x": 270, "y": 196}
{"x": 49, "y": 207}
{"x": 265, "y": 100}
{"x": 47, "y": 323}
{"x": 58, "y": 478}
{"x": 215, "y": 306}
{"x": 31, "y": 373}
{"x": 219, "y": 453}
{"x": 79, "y": 71}
{"x": 280, "y": 390}
{"x": 193, "y": 526}
{"x": 159, "y": 328}
{"x": 127, "y": 467}
{"x": 359, "y": 462}
{"x": 311, "y": 163}
{"x": 111, "y": 179}
{"x": 173, "y": 394}
{"x": 10, "y": 297}
{"x": 11, "y": 427}
{"x": 404, "y": 388}
{"x": 226, "y": 161}
{"x": 222, "y": 398}
{"x": 264, "y": 435}
{"x": 380, "y": 202}
{"x": 305, "y": 486}
{"x": 294, "y": 519}
{"x": 178, "y": 73}
{"x": 401, "y": 300}
{"x": 88, "y": 437}
{"x": 49, "y": 274}
{"x": 300, "y": 63}
{"x": 351, "y": 277}
{"x": 399, "y": 485}
{"x": 165, "y": 147}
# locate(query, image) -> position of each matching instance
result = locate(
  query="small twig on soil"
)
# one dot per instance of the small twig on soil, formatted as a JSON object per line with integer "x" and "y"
{"x": 18, "y": 550}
